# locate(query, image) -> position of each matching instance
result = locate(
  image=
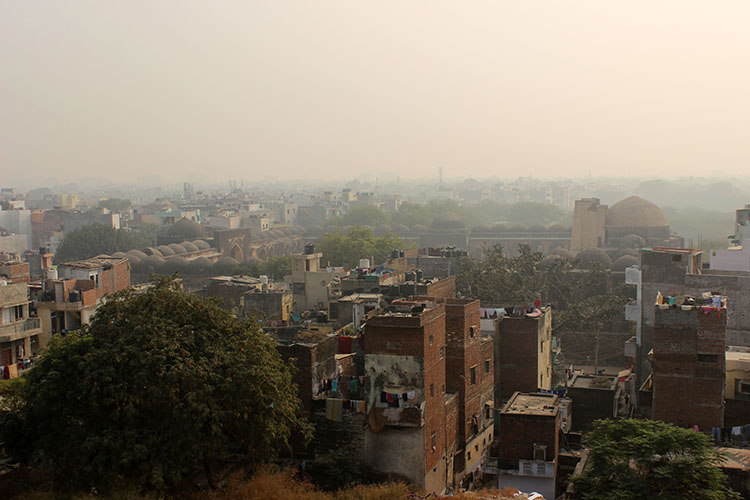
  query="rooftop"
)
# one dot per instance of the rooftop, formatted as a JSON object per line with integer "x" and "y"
{"x": 531, "y": 404}
{"x": 599, "y": 382}
{"x": 95, "y": 262}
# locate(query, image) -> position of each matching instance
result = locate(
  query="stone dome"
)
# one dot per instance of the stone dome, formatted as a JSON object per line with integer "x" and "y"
{"x": 136, "y": 253}
{"x": 202, "y": 245}
{"x": 623, "y": 262}
{"x": 448, "y": 221}
{"x": 177, "y": 248}
{"x": 120, "y": 255}
{"x": 401, "y": 228}
{"x": 186, "y": 229}
{"x": 189, "y": 246}
{"x": 591, "y": 256}
{"x": 197, "y": 266}
{"x": 419, "y": 228}
{"x": 152, "y": 251}
{"x": 635, "y": 212}
{"x": 165, "y": 250}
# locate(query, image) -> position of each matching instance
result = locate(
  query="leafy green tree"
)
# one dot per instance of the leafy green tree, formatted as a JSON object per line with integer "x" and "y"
{"x": 275, "y": 268}
{"x": 345, "y": 248}
{"x": 533, "y": 213}
{"x": 411, "y": 214}
{"x": 115, "y": 204}
{"x": 158, "y": 385}
{"x": 583, "y": 299}
{"x": 95, "y": 239}
{"x": 362, "y": 216}
{"x": 646, "y": 459}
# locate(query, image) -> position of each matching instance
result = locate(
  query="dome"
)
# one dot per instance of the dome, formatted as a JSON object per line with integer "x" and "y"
{"x": 175, "y": 265}
{"x": 635, "y": 212}
{"x": 253, "y": 260}
{"x": 500, "y": 228}
{"x": 136, "y": 253}
{"x": 152, "y": 251}
{"x": 120, "y": 255}
{"x": 419, "y": 228}
{"x": 634, "y": 241}
{"x": 591, "y": 256}
{"x": 519, "y": 227}
{"x": 401, "y": 228}
{"x": 197, "y": 266}
{"x": 134, "y": 260}
{"x": 153, "y": 260}
{"x": 165, "y": 250}
{"x": 286, "y": 230}
{"x": 448, "y": 221}
{"x": 480, "y": 229}
{"x": 186, "y": 229}
{"x": 565, "y": 254}
{"x": 623, "y": 262}
{"x": 202, "y": 245}
{"x": 177, "y": 249}
{"x": 556, "y": 228}
{"x": 189, "y": 246}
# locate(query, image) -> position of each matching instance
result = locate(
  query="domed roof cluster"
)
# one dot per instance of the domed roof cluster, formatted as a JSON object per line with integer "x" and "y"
{"x": 448, "y": 221}
{"x": 634, "y": 211}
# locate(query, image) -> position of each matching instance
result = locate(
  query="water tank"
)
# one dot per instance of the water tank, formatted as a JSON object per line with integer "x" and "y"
{"x": 419, "y": 275}
{"x": 50, "y": 274}
{"x": 264, "y": 280}
{"x": 364, "y": 263}
{"x": 309, "y": 249}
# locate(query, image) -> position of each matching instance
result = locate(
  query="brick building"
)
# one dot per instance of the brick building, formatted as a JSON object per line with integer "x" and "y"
{"x": 406, "y": 399}
{"x": 470, "y": 375}
{"x": 689, "y": 363}
{"x": 12, "y": 270}
{"x": 594, "y": 397}
{"x": 70, "y": 299}
{"x": 523, "y": 349}
{"x": 529, "y": 432}
{"x": 430, "y": 381}
{"x": 19, "y": 330}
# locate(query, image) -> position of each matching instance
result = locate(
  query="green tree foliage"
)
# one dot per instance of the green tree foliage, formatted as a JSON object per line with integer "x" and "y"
{"x": 532, "y": 213}
{"x": 275, "y": 268}
{"x": 95, "y": 239}
{"x": 362, "y": 216}
{"x": 584, "y": 299}
{"x": 115, "y": 204}
{"x": 158, "y": 386}
{"x": 345, "y": 248}
{"x": 411, "y": 214}
{"x": 646, "y": 459}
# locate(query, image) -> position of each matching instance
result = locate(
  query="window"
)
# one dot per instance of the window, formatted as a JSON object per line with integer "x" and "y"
{"x": 473, "y": 375}
{"x": 432, "y": 339}
{"x": 476, "y": 448}
{"x": 708, "y": 358}
{"x": 433, "y": 441}
{"x": 442, "y": 352}
{"x": 471, "y": 331}
{"x": 540, "y": 452}
{"x": 541, "y": 347}
{"x": 432, "y": 390}
{"x": 488, "y": 411}
{"x": 442, "y": 389}
{"x": 742, "y": 387}
{"x": 468, "y": 455}
{"x": 486, "y": 366}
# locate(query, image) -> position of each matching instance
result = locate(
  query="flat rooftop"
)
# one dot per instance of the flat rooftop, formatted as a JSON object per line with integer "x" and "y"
{"x": 95, "y": 262}
{"x": 600, "y": 382}
{"x": 522, "y": 403}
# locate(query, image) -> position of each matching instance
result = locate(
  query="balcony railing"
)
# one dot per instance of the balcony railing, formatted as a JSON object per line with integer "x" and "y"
{"x": 19, "y": 327}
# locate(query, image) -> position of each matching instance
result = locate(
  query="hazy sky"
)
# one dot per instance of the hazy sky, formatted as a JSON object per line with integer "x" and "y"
{"x": 125, "y": 89}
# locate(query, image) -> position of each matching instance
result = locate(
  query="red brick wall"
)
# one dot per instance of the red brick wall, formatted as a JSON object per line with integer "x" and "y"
{"x": 451, "y": 425}
{"x": 517, "y": 350}
{"x": 518, "y": 433}
{"x": 444, "y": 288}
{"x": 687, "y": 391}
{"x": 16, "y": 272}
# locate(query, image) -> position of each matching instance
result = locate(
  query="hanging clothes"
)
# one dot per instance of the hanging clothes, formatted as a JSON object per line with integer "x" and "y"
{"x": 334, "y": 409}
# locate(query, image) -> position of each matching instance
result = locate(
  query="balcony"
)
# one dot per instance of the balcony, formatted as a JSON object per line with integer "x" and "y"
{"x": 536, "y": 468}
{"x": 19, "y": 329}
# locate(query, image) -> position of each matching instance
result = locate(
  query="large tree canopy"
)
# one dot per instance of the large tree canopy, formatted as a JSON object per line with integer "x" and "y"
{"x": 584, "y": 299}
{"x": 160, "y": 384}
{"x": 345, "y": 248}
{"x": 95, "y": 239}
{"x": 646, "y": 459}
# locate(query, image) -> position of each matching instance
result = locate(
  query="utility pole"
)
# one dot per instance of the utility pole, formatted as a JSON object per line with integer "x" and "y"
{"x": 596, "y": 357}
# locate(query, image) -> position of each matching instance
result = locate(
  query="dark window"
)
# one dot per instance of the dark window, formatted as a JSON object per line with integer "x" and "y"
{"x": 473, "y": 375}
{"x": 442, "y": 352}
{"x": 432, "y": 339}
{"x": 708, "y": 358}
{"x": 432, "y": 390}
{"x": 486, "y": 366}
{"x": 433, "y": 440}
{"x": 471, "y": 331}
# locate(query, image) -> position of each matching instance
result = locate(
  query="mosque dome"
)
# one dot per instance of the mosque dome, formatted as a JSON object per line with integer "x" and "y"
{"x": 187, "y": 229}
{"x": 635, "y": 212}
{"x": 202, "y": 245}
